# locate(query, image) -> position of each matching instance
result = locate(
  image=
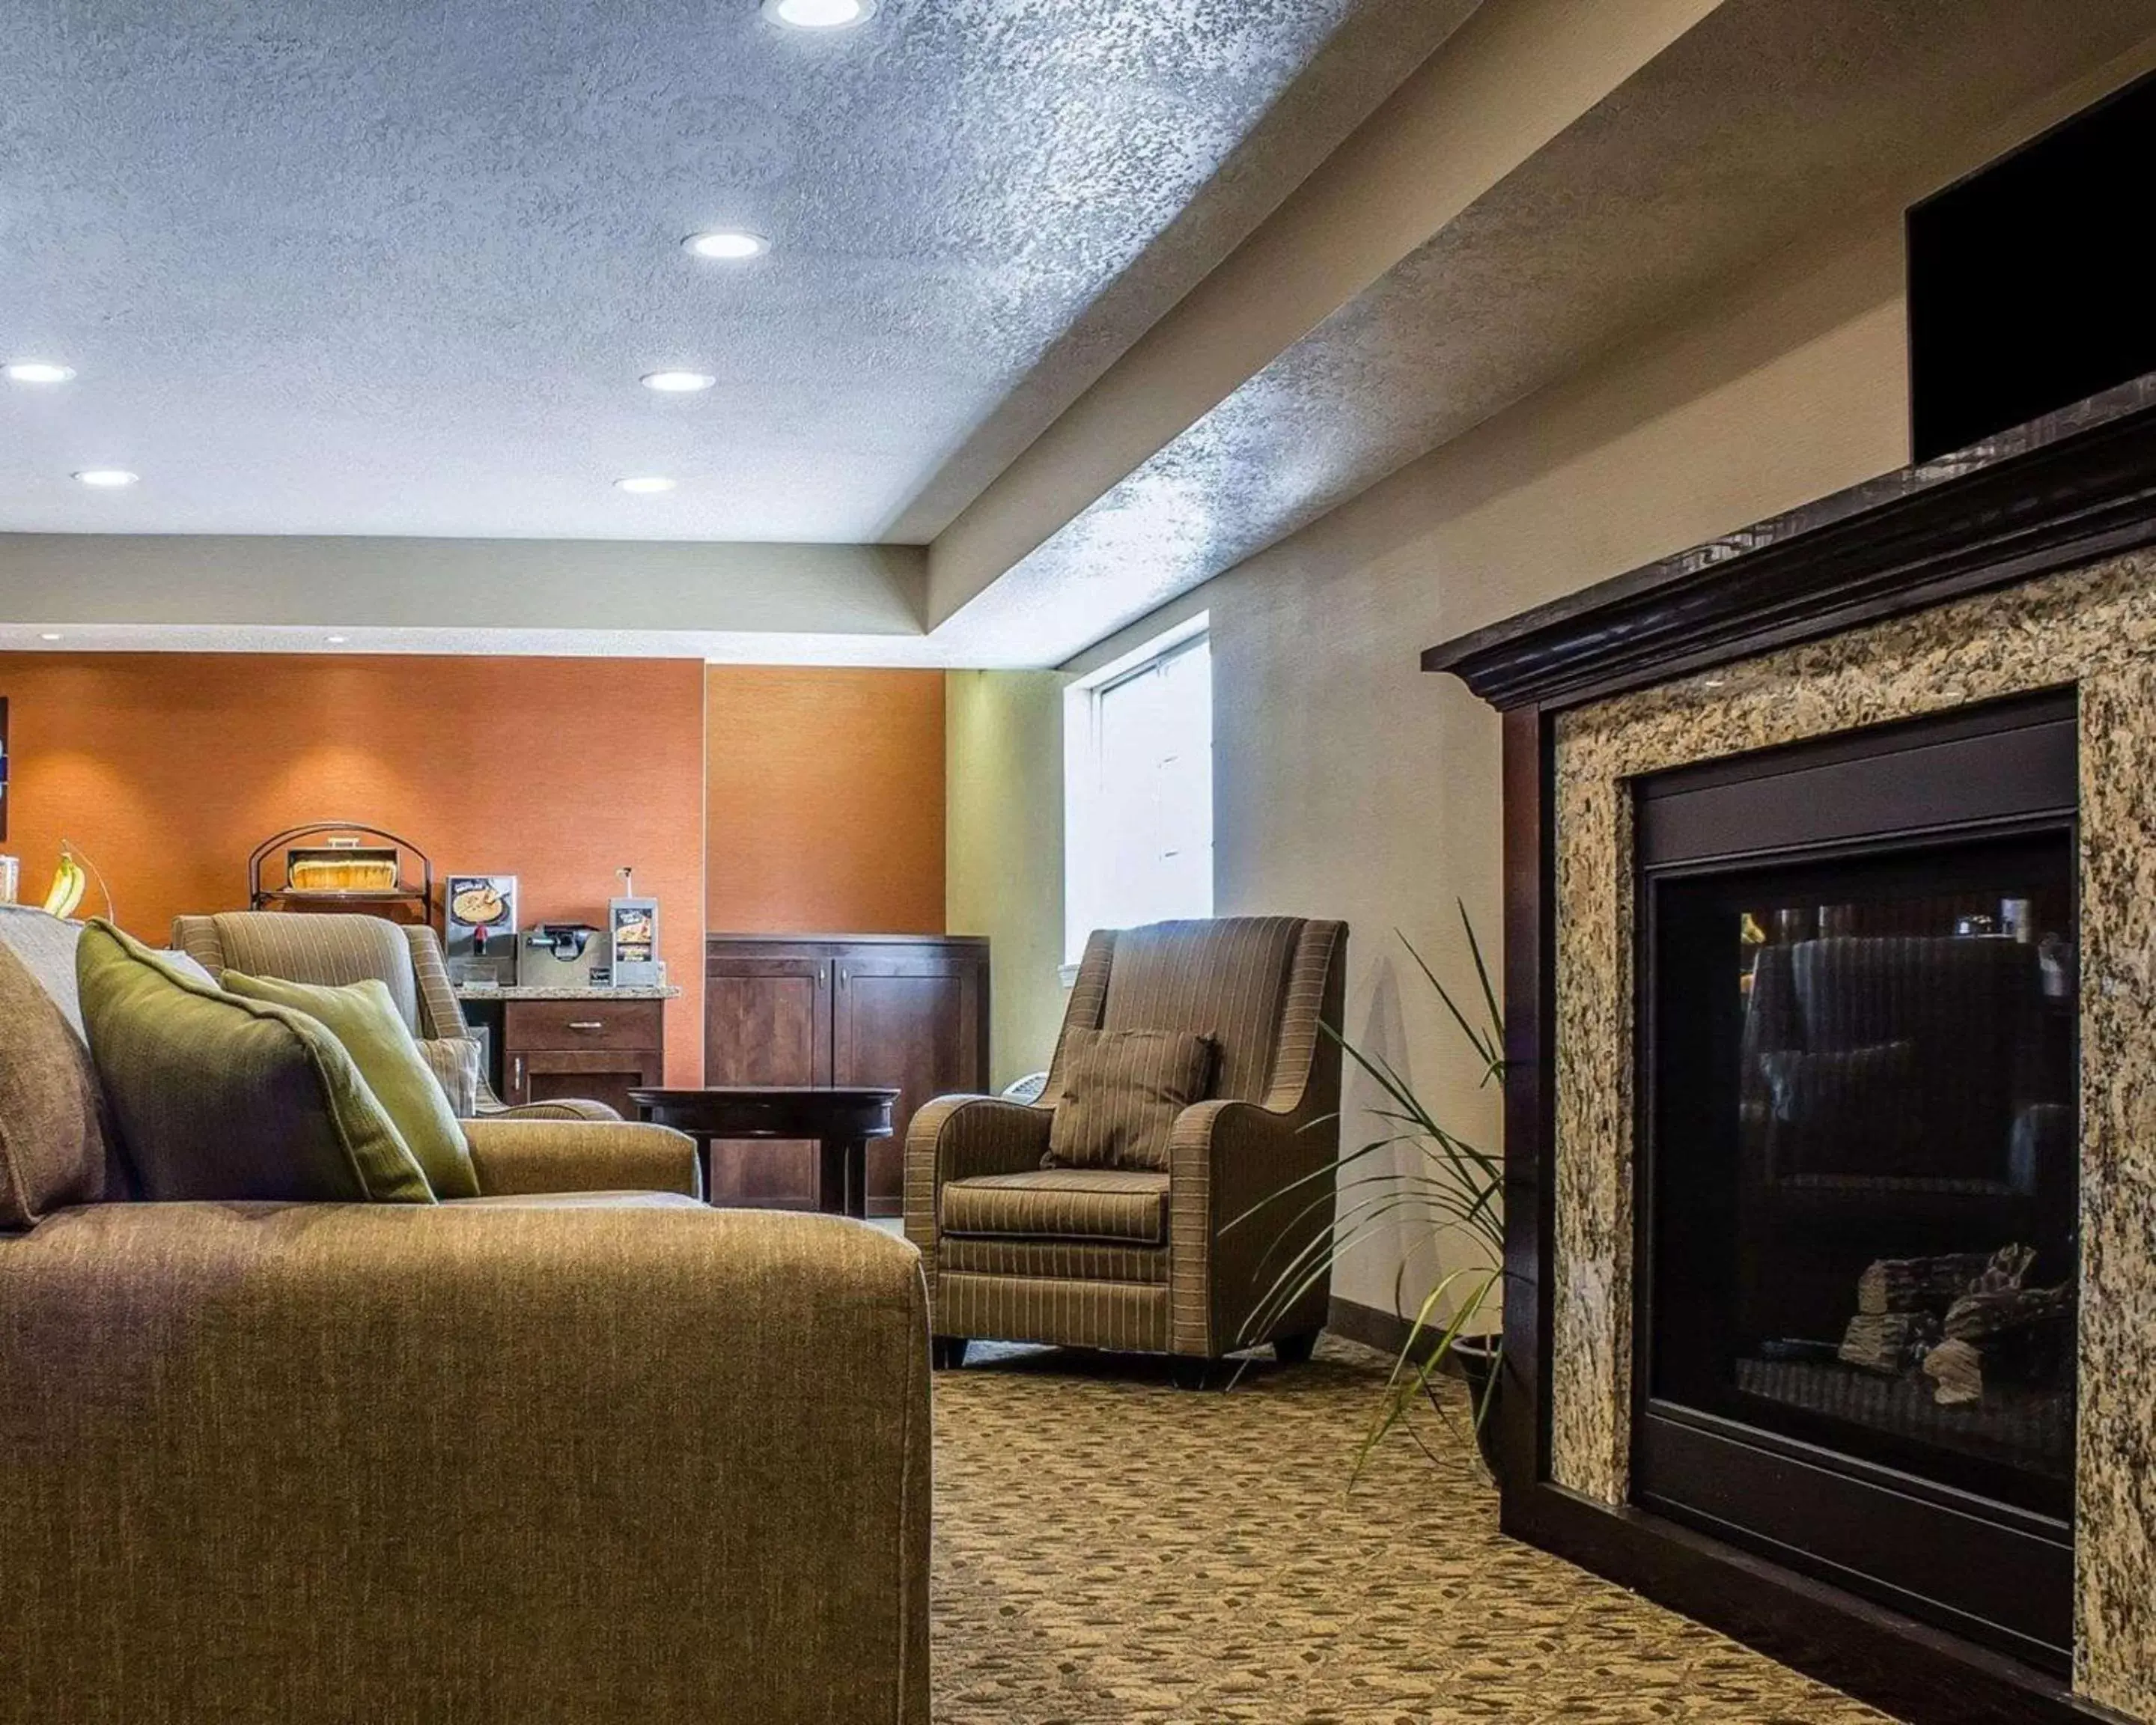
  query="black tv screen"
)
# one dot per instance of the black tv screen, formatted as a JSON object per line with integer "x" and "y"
{"x": 2026, "y": 291}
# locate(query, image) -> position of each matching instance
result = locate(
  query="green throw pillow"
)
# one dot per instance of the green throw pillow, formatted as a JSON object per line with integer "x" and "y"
{"x": 365, "y": 1020}
{"x": 220, "y": 1098}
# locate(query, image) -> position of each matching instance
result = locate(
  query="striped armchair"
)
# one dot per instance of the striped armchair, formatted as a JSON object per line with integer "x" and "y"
{"x": 336, "y": 950}
{"x": 1133, "y": 1260}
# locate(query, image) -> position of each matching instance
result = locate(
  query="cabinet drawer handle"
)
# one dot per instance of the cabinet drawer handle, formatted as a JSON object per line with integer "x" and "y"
{"x": 587, "y": 1023}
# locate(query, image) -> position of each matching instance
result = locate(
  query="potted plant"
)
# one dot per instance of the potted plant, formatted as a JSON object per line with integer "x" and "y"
{"x": 1458, "y": 1186}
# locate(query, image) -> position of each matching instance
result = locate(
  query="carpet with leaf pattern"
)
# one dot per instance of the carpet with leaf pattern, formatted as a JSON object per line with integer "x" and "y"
{"x": 1109, "y": 1548}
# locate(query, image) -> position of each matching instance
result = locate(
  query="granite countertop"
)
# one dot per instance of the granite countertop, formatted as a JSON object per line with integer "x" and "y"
{"x": 668, "y": 992}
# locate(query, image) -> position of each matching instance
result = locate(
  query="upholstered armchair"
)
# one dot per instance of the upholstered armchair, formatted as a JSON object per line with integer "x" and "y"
{"x": 1179, "y": 1262}
{"x": 335, "y": 950}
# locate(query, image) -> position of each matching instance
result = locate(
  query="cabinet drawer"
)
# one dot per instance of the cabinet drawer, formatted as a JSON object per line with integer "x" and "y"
{"x": 583, "y": 1024}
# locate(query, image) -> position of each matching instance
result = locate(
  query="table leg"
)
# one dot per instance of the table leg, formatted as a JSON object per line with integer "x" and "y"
{"x": 857, "y": 1178}
{"x": 842, "y": 1177}
{"x": 831, "y": 1177}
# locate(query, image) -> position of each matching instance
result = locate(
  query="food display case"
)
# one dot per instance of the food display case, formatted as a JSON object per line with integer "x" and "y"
{"x": 341, "y": 865}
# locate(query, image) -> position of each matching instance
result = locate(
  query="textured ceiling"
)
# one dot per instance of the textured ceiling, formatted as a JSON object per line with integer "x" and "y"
{"x": 1755, "y": 128}
{"x": 382, "y": 266}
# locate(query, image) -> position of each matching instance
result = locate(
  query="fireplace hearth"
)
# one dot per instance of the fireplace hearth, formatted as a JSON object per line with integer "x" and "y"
{"x": 1859, "y": 1162}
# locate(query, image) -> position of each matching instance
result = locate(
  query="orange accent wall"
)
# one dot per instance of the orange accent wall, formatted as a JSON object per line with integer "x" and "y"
{"x": 825, "y": 799}
{"x": 167, "y": 769}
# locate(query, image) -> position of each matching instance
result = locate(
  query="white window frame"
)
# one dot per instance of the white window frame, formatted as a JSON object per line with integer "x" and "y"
{"x": 1083, "y": 895}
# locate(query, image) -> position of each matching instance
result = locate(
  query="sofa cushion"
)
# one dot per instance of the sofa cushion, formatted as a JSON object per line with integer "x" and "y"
{"x": 218, "y": 1098}
{"x": 363, "y": 1017}
{"x": 52, "y": 1141}
{"x": 1128, "y": 1205}
{"x": 1118, "y": 1093}
{"x": 45, "y": 943}
{"x": 626, "y": 1201}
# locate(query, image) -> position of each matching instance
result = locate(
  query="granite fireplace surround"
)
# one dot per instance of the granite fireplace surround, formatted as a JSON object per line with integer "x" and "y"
{"x": 2016, "y": 567}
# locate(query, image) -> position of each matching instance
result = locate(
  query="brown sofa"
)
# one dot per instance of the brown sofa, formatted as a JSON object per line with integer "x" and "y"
{"x": 582, "y": 1450}
{"x": 1179, "y": 1262}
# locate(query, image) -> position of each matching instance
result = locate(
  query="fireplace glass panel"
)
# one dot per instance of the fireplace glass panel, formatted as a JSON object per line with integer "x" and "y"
{"x": 1865, "y": 1166}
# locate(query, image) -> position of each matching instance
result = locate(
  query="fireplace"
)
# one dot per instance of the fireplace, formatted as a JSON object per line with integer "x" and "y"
{"x": 1858, "y": 1177}
{"x": 1831, "y": 1095}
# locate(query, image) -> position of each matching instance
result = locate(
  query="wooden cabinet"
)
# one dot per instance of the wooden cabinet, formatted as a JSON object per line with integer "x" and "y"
{"x": 910, "y": 1011}
{"x": 597, "y": 1049}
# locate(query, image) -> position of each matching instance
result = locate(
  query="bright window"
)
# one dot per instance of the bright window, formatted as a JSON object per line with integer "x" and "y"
{"x": 1138, "y": 781}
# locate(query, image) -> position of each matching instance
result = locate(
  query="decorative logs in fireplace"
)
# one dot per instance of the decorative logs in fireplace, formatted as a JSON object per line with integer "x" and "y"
{"x": 1942, "y": 1314}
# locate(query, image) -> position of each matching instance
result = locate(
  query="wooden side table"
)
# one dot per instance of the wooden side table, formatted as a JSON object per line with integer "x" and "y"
{"x": 842, "y": 1119}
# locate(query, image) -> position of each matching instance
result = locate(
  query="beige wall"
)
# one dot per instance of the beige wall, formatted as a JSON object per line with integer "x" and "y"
{"x": 1003, "y": 852}
{"x": 1348, "y": 783}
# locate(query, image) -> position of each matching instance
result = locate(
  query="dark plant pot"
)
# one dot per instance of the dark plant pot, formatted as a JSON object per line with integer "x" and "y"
{"x": 1477, "y": 1357}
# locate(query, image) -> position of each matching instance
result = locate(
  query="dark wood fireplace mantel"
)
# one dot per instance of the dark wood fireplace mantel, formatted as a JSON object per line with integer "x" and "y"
{"x": 2066, "y": 490}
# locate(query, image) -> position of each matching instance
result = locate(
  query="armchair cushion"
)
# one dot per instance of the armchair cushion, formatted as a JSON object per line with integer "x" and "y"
{"x": 1119, "y": 1093}
{"x": 1125, "y": 1204}
{"x": 365, "y": 1021}
{"x": 218, "y": 1097}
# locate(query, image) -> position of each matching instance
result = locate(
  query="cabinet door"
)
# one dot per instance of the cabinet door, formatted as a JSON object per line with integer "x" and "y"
{"x": 914, "y": 1017}
{"x": 766, "y": 1021}
{"x": 591, "y": 1074}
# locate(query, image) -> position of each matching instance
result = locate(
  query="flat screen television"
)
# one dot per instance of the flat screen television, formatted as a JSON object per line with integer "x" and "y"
{"x": 2026, "y": 291}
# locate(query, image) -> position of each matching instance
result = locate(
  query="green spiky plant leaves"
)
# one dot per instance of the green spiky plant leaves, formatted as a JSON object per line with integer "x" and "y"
{"x": 1456, "y": 1186}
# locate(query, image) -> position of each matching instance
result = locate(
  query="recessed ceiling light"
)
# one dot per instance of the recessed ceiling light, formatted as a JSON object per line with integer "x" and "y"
{"x": 818, "y": 15}
{"x": 678, "y": 382}
{"x": 337, "y": 640}
{"x": 733, "y": 244}
{"x": 38, "y": 370}
{"x": 645, "y": 485}
{"x": 51, "y": 634}
{"x": 107, "y": 479}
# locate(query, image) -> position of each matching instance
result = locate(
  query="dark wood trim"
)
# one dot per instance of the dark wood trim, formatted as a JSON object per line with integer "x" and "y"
{"x": 1902, "y": 1666}
{"x": 1387, "y": 1332}
{"x": 1522, "y": 1445}
{"x": 2066, "y": 489}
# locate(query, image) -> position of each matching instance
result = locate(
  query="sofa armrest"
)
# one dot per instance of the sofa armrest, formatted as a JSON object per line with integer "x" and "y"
{"x": 564, "y": 1108}
{"x": 519, "y": 1156}
{"x": 494, "y": 1465}
{"x": 1249, "y": 1194}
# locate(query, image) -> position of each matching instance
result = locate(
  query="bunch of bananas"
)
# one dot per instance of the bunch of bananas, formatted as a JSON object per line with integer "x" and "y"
{"x": 70, "y": 883}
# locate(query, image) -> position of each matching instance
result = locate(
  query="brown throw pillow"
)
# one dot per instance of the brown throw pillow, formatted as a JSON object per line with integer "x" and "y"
{"x": 52, "y": 1141}
{"x": 1121, "y": 1091}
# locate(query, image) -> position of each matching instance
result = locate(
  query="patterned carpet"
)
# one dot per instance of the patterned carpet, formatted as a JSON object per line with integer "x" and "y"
{"x": 1112, "y": 1549}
